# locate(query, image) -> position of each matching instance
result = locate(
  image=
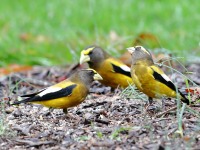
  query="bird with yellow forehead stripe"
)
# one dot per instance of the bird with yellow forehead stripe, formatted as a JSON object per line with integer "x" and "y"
{"x": 114, "y": 72}
{"x": 149, "y": 78}
{"x": 68, "y": 93}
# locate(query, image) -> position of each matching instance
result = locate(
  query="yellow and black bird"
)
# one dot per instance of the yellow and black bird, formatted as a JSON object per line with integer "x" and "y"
{"x": 149, "y": 78}
{"x": 65, "y": 94}
{"x": 113, "y": 71}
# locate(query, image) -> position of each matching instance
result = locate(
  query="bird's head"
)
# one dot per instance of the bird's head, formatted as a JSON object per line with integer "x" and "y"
{"x": 89, "y": 75}
{"x": 92, "y": 55}
{"x": 139, "y": 53}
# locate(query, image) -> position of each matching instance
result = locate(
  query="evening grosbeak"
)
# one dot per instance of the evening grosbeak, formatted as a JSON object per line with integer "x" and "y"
{"x": 113, "y": 71}
{"x": 149, "y": 78}
{"x": 68, "y": 93}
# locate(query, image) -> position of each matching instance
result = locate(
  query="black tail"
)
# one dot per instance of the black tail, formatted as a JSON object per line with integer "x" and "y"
{"x": 184, "y": 99}
{"x": 29, "y": 99}
{"x": 22, "y": 101}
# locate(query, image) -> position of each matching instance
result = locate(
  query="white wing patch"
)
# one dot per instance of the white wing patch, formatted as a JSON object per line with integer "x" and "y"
{"x": 49, "y": 90}
{"x": 165, "y": 77}
{"x": 125, "y": 68}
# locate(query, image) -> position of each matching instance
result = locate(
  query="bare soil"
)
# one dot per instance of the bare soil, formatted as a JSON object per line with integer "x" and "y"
{"x": 105, "y": 120}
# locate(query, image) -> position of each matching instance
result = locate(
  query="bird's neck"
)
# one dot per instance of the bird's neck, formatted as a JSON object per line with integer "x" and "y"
{"x": 84, "y": 82}
{"x": 97, "y": 61}
{"x": 95, "y": 65}
{"x": 145, "y": 62}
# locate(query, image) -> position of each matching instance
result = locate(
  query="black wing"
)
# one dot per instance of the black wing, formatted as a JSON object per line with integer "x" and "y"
{"x": 121, "y": 71}
{"x": 159, "y": 78}
{"x": 58, "y": 94}
{"x": 33, "y": 94}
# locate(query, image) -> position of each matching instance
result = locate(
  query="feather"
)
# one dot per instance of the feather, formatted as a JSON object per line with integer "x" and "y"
{"x": 48, "y": 96}
{"x": 32, "y": 94}
{"x": 163, "y": 78}
{"x": 125, "y": 70}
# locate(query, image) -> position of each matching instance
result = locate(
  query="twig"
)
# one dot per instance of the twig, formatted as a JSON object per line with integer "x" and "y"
{"x": 102, "y": 121}
{"x": 195, "y": 105}
{"x": 161, "y": 119}
{"x": 98, "y": 121}
{"x": 179, "y": 73}
{"x": 94, "y": 104}
{"x": 24, "y": 130}
{"x": 34, "y": 143}
{"x": 165, "y": 112}
{"x": 172, "y": 131}
{"x": 103, "y": 143}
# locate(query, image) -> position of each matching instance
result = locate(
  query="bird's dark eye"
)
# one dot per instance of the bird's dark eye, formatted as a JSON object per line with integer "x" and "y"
{"x": 138, "y": 48}
{"x": 90, "y": 53}
{"x": 91, "y": 72}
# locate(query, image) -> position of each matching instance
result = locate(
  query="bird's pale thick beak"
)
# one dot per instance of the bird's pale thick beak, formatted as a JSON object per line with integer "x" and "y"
{"x": 131, "y": 49}
{"x": 97, "y": 77}
{"x": 84, "y": 58}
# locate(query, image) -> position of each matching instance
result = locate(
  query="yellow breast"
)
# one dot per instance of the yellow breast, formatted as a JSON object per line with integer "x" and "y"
{"x": 146, "y": 83}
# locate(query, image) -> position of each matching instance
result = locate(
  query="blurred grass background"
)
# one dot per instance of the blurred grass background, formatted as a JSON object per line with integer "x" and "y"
{"x": 54, "y": 32}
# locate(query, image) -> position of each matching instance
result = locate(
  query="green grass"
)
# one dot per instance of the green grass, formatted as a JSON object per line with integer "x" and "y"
{"x": 56, "y": 31}
{"x": 115, "y": 133}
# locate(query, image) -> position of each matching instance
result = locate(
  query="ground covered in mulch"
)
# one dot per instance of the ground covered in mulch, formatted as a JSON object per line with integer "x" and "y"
{"x": 105, "y": 120}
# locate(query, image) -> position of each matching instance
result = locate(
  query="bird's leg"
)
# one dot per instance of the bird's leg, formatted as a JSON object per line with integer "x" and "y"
{"x": 51, "y": 109}
{"x": 66, "y": 114}
{"x": 65, "y": 111}
{"x": 112, "y": 90}
{"x": 150, "y": 102}
{"x": 69, "y": 115}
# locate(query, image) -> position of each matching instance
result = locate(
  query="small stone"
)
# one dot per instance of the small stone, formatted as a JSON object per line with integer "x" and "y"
{"x": 88, "y": 116}
{"x": 9, "y": 110}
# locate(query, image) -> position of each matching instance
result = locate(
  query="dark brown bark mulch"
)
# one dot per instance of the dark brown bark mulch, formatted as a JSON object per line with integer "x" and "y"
{"x": 105, "y": 120}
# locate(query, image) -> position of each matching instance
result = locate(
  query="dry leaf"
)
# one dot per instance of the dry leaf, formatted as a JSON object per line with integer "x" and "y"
{"x": 193, "y": 90}
{"x": 146, "y": 39}
{"x": 14, "y": 68}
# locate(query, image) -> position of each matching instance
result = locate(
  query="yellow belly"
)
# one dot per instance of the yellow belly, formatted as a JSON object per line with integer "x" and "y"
{"x": 156, "y": 89}
{"x": 114, "y": 79}
{"x": 147, "y": 84}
